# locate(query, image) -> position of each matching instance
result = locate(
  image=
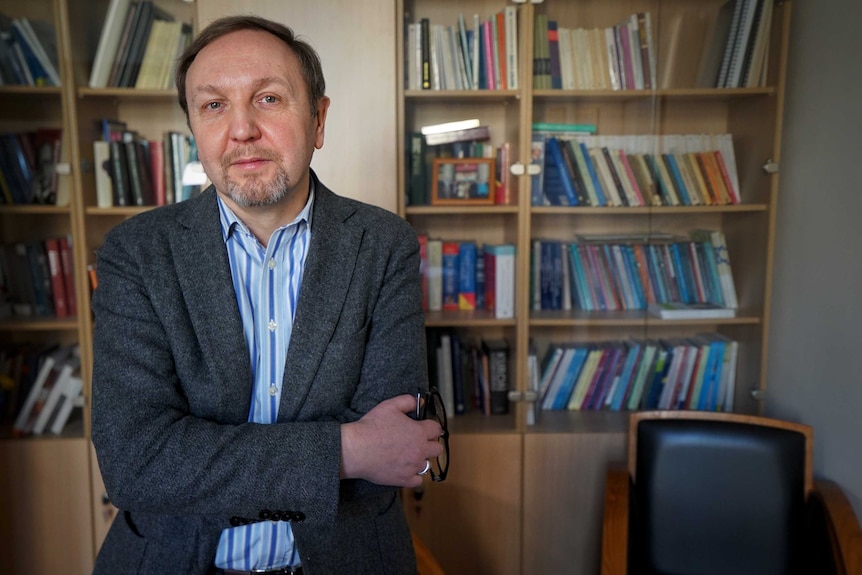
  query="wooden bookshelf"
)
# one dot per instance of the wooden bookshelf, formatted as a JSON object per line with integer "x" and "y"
{"x": 564, "y": 453}
{"x": 520, "y": 498}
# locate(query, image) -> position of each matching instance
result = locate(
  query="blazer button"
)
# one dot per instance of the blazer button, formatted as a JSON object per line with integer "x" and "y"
{"x": 265, "y": 514}
{"x": 297, "y": 516}
{"x": 235, "y": 521}
{"x": 276, "y": 515}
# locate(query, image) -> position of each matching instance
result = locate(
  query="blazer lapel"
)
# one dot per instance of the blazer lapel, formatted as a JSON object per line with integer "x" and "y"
{"x": 328, "y": 270}
{"x": 204, "y": 273}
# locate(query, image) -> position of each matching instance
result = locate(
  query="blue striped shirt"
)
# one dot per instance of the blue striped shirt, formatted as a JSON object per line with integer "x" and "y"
{"x": 266, "y": 281}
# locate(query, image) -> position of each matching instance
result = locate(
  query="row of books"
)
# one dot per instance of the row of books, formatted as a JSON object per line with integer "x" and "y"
{"x": 134, "y": 171}
{"x": 44, "y": 388}
{"x": 737, "y": 53}
{"x": 619, "y": 273}
{"x": 695, "y": 373}
{"x": 466, "y": 276}
{"x": 618, "y": 57}
{"x": 634, "y": 170}
{"x": 36, "y": 279}
{"x": 28, "y": 52}
{"x": 29, "y": 172}
{"x": 138, "y": 46}
{"x": 472, "y": 374}
{"x": 483, "y": 56}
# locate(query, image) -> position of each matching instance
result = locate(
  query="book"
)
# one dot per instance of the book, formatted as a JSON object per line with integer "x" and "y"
{"x": 70, "y": 398}
{"x": 466, "y": 276}
{"x": 554, "y": 152}
{"x": 434, "y": 273}
{"x": 465, "y": 135}
{"x": 48, "y": 371}
{"x": 503, "y": 258}
{"x": 677, "y": 310}
{"x": 102, "y": 169}
{"x": 109, "y": 42}
{"x": 497, "y": 351}
{"x": 58, "y": 286}
{"x": 450, "y": 271}
{"x": 66, "y": 259}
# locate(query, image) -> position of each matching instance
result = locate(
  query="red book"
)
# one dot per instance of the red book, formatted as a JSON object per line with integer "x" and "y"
{"x": 157, "y": 166}
{"x": 58, "y": 288}
{"x": 501, "y": 51}
{"x": 68, "y": 275}
{"x": 733, "y": 192}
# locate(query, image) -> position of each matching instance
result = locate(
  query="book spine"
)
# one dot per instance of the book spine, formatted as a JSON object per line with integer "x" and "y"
{"x": 467, "y": 276}
{"x": 450, "y": 276}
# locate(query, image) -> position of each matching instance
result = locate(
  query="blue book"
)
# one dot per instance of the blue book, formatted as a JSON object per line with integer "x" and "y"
{"x": 639, "y": 290}
{"x": 709, "y": 396}
{"x": 537, "y": 157}
{"x": 579, "y": 279}
{"x": 681, "y": 280}
{"x": 561, "y": 400}
{"x": 467, "y": 276}
{"x": 711, "y": 273}
{"x": 450, "y": 269}
{"x": 570, "y": 198}
{"x": 659, "y": 375}
{"x": 603, "y": 201}
{"x": 480, "y": 278}
{"x": 679, "y": 183}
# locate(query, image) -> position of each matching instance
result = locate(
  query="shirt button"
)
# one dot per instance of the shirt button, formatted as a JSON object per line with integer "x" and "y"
{"x": 272, "y": 325}
{"x": 273, "y": 390}
{"x": 271, "y": 263}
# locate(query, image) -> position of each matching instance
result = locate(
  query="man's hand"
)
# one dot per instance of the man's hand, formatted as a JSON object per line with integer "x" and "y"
{"x": 387, "y": 447}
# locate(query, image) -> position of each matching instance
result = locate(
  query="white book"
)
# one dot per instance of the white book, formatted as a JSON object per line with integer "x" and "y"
{"x": 109, "y": 43}
{"x": 511, "y": 23}
{"x": 435, "y": 274}
{"x": 70, "y": 394}
{"x": 67, "y": 368}
{"x": 444, "y": 369}
{"x": 725, "y": 271}
{"x": 613, "y": 60}
{"x": 556, "y": 354}
{"x": 45, "y": 378}
{"x": 560, "y": 374}
{"x": 504, "y": 280}
{"x": 104, "y": 184}
{"x": 676, "y": 363}
{"x": 634, "y": 44}
{"x": 566, "y": 68}
{"x": 477, "y": 42}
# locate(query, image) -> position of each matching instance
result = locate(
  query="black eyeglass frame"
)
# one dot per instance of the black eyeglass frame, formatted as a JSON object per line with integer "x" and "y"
{"x": 429, "y": 405}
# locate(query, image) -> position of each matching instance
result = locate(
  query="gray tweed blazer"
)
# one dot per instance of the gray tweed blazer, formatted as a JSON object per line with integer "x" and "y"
{"x": 172, "y": 389}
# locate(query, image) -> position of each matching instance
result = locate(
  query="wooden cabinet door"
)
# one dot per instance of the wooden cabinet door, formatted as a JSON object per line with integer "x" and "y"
{"x": 472, "y": 521}
{"x": 564, "y": 483}
{"x": 45, "y": 525}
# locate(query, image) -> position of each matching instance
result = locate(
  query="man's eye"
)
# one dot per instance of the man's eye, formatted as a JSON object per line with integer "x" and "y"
{"x": 269, "y": 99}
{"x": 213, "y": 106}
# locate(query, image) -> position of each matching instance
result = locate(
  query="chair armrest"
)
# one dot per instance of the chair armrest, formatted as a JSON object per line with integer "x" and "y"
{"x": 615, "y": 525}
{"x": 845, "y": 534}
{"x": 426, "y": 563}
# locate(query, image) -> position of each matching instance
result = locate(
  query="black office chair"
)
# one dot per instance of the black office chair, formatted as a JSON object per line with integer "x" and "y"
{"x": 724, "y": 494}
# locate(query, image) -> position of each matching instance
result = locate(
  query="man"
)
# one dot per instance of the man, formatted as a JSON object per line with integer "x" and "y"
{"x": 258, "y": 348}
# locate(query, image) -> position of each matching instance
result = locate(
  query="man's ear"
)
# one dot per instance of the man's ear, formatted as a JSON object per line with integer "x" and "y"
{"x": 320, "y": 121}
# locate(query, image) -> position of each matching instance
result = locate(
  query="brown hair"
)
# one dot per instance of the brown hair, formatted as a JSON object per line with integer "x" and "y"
{"x": 312, "y": 71}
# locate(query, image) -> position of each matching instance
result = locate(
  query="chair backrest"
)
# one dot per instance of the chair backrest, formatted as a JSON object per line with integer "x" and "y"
{"x": 717, "y": 494}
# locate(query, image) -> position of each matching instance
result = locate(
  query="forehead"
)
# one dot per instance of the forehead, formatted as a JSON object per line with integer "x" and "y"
{"x": 244, "y": 54}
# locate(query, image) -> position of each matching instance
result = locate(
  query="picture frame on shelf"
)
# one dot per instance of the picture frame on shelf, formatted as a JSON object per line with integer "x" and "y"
{"x": 462, "y": 181}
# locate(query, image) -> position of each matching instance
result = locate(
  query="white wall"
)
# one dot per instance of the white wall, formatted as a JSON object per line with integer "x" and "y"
{"x": 815, "y": 356}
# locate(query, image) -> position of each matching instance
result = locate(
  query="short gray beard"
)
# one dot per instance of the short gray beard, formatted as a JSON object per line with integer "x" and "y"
{"x": 258, "y": 193}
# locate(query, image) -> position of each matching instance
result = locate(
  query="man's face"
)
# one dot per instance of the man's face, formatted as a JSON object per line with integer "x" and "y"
{"x": 251, "y": 118}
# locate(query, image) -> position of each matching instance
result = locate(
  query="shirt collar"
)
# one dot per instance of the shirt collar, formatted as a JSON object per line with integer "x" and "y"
{"x": 230, "y": 221}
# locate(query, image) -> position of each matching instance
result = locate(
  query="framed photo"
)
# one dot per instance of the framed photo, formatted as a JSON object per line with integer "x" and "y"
{"x": 462, "y": 181}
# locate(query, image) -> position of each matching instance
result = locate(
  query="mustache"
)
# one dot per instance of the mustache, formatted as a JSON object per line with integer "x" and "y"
{"x": 250, "y": 152}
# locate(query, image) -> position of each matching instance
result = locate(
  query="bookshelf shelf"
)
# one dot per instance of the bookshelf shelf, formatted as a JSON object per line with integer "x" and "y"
{"x": 116, "y": 211}
{"x": 36, "y": 210}
{"x": 467, "y": 95}
{"x": 641, "y": 211}
{"x": 465, "y": 319}
{"x": 624, "y": 319}
{"x": 127, "y": 93}
{"x": 46, "y": 91}
{"x": 41, "y": 324}
{"x": 455, "y": 210}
